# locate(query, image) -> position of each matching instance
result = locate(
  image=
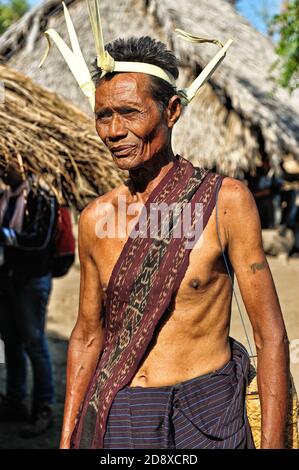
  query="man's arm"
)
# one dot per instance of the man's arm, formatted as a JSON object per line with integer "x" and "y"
{"x": 86, "y": 339}
{"x": 239, "y": 217}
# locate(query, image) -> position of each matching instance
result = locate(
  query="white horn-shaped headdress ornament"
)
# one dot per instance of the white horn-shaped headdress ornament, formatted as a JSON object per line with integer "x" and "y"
{"x": 75, "y": 60}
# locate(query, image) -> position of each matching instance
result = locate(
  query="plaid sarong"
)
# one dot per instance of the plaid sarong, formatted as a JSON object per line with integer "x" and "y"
{"x": 206, "y": 412}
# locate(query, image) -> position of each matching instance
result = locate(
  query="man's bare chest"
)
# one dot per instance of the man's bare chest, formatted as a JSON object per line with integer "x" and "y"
{"x": 204, "y": 268}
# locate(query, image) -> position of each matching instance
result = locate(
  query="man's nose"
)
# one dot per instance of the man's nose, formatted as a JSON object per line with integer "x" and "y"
{"x": 117, "y": 129}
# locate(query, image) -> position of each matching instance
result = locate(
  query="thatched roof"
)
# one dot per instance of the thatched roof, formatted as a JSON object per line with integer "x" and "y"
{"x": 54, "y": 140}
{"x": 232, "y": 124}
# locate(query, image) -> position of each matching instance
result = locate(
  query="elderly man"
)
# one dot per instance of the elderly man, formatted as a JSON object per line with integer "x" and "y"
{"x": 150, "y": 361}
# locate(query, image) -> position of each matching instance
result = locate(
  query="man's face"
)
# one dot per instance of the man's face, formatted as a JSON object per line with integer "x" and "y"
{"x": 129, "y": 121}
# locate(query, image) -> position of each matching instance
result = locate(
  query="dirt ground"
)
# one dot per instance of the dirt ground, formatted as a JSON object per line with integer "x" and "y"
{"x": 62, "y": 316}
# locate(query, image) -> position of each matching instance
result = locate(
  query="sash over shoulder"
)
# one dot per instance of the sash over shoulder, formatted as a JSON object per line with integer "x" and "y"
{"x": 147, "y": 273}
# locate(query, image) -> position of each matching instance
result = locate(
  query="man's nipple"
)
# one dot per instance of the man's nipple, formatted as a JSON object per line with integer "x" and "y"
{"x": 194, "y": 283}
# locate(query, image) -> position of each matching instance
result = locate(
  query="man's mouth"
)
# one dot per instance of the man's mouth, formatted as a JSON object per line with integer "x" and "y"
{"x": 121, "y": 150}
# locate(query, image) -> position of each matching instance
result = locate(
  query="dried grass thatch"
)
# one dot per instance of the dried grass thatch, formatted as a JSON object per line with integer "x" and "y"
{"x": 54, "y": 140}
{"x": 232, "y": 125}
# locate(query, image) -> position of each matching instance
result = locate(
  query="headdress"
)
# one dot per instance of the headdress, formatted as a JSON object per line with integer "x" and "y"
{"x": 75, "y": 60}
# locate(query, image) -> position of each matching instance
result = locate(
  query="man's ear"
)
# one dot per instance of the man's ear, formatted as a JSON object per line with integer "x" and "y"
{"x": 173, "y": 110}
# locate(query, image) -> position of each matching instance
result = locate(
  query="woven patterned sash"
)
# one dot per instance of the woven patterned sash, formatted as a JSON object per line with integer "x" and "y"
{"x": 147, "y": 273}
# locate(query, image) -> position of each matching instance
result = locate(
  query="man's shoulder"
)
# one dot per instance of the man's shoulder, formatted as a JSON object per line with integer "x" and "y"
{"x": 234, "y": 193}
{"x": 237, "y": 207}
{"x": 92, "y": 210}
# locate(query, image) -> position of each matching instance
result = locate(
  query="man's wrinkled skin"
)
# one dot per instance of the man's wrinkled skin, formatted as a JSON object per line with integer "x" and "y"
{"x": 193, "y": 338}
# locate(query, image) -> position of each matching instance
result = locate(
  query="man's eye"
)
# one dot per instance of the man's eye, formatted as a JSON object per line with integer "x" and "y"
{"x": 128, "y": 111}
{"x": 101, "y": 118}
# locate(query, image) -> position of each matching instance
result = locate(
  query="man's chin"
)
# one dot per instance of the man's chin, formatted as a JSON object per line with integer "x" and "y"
{"x": 126, "y": 163}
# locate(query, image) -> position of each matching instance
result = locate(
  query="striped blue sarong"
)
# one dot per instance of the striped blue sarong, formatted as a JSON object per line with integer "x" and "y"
{"x": 201, "y": 413}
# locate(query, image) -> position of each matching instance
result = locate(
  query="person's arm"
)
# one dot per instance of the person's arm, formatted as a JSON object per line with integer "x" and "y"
{"x": 244, "y": 241}
{"x": 37, "y": 235}
{"x": 86, "y": 340}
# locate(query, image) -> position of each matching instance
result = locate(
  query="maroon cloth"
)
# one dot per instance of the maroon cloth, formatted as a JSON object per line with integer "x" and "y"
{"x": 64, "y": 241}
{"x": 146, "y": 275}
{"x": 63, "y": 244}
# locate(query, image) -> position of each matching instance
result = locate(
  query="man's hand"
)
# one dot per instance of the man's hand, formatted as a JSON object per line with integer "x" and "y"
{"x": 239, "y": 219}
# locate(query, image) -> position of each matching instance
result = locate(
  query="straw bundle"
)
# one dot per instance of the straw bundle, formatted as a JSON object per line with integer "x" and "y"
{"x": 234, "y": 124}
{"x": 53, "y": 140}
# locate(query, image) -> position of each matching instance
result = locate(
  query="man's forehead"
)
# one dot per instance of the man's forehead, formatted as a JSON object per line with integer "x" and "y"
{"x": 123, "y": 86}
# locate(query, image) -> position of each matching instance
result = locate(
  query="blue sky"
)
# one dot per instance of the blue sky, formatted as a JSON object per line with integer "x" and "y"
{"x": 251, "y": 9}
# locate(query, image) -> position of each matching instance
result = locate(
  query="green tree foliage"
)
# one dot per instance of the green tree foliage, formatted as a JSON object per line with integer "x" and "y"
{"x": 287, "y": 25}
{"x": 11, "y": 11}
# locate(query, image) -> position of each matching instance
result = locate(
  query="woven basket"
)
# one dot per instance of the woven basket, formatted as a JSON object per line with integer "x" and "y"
{"x": 253, "y": 408}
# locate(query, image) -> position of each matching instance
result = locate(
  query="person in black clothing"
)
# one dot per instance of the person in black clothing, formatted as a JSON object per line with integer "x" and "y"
{"x": 28, "y": 214}
{"x": 265, "y": 185}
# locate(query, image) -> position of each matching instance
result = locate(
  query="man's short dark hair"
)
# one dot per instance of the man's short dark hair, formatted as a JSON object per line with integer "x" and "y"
{"x": 147, "y": 50}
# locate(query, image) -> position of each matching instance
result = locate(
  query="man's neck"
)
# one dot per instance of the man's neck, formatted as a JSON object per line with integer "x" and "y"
{"x": 143, "y": 181}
